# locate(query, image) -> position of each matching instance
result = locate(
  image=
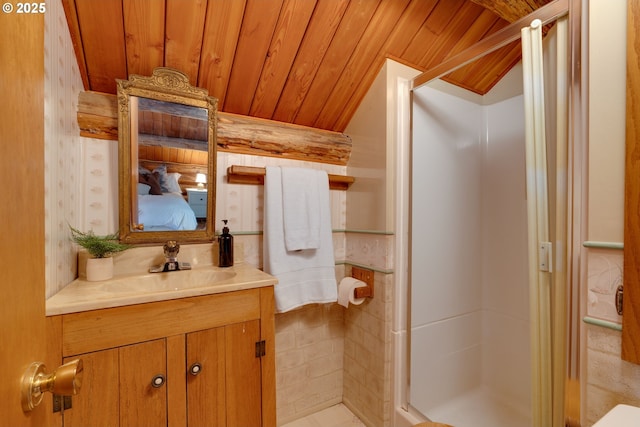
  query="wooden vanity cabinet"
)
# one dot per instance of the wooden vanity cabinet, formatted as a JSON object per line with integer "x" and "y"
{"x": 201, "y": 361}
{"x": 117, "y": 388}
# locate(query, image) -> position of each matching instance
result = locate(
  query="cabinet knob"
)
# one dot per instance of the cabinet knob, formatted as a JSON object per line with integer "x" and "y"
{"x": 158, "y": 381}
{"x": 195, "y": 369}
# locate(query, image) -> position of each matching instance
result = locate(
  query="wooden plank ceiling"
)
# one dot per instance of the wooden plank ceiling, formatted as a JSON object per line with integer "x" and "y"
{"x": 307, "y": 62}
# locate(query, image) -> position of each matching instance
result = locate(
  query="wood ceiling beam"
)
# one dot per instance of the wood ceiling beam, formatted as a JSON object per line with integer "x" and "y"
{"x": 511, "y": 10}
{"x": 98, "y": 118}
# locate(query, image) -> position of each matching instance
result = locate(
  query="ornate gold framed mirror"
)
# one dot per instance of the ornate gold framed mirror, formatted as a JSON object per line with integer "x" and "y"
{"x": 167, "y": 159}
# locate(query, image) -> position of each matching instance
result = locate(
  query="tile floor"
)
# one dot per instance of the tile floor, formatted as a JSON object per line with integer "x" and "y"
{"x": 335, "y": 416}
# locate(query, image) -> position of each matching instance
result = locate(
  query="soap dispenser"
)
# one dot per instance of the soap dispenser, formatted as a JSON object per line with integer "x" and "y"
{"x": 225, "y": 247}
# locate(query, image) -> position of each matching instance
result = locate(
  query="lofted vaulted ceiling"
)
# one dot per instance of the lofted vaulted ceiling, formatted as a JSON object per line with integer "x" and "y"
{"x": 308, "y": 62}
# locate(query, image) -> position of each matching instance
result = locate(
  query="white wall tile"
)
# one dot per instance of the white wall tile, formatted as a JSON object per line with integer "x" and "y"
{"x": 604, "y": 275}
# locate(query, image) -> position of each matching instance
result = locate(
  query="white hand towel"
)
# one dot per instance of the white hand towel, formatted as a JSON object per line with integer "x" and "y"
{"x": 301, "y": 207}
{"x": 304, "y": 276}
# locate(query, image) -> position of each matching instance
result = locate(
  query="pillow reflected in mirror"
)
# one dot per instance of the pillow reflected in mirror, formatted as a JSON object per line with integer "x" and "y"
{"x": 172, "y": 183}
{"x": 143, "y": 188}
{"x": 150, "y": 180}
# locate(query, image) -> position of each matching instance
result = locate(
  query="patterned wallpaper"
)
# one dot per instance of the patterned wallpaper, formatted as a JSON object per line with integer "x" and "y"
{"x": 242, "y": 205}
{"x": 99, "y": 187}
{"x": 62, "y": 150}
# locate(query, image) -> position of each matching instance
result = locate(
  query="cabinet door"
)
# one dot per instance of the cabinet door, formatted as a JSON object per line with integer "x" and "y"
{"x": 98, "y": 402}
{"x": 244, "y": 387}
{"x": 143, "y": 391}
{"x": 206, "y": 380}
{"x": 226, "y": 391}
{"x": 117, "y": 388}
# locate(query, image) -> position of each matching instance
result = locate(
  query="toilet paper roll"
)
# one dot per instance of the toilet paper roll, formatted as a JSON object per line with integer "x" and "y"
{"x": 346, "y": 291}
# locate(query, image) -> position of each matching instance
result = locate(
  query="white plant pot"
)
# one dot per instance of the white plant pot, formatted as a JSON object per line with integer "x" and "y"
{"x": 99, "y": 269}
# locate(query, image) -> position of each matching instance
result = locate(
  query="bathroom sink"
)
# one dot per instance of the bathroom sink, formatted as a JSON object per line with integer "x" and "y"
{"x": 171, "y": 281}
{"x": 140, "y": 288}
{"x": 620, "y": 416}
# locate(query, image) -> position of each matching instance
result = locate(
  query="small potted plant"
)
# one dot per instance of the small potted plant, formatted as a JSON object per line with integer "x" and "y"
{"x": 100, "y": 249}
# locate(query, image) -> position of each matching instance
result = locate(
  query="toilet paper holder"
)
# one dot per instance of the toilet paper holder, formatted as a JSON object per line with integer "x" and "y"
{"x": 366, "y": 276}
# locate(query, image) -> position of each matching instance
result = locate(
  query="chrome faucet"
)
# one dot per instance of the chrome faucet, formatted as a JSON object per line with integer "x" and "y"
{"x": 171, "y": 263}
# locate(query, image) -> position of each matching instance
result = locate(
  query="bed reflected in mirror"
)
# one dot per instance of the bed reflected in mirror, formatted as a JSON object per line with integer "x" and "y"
{"x": 167, "y": 154}
{"x": 172, "y": 158}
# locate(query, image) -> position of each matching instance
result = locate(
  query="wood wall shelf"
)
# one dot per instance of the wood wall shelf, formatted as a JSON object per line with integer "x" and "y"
{"x": 255, "y": 175}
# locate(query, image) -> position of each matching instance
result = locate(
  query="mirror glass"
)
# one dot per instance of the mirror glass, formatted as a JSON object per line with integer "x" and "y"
{"x": 167, "y": 146}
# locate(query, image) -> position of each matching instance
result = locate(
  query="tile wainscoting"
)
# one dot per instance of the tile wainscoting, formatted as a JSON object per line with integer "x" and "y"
{"x": 326, "y": 354}
{"x": 609, "y": 379}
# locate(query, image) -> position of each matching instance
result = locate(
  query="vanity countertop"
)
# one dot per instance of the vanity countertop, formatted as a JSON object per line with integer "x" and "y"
{"x": 81, "y": 295}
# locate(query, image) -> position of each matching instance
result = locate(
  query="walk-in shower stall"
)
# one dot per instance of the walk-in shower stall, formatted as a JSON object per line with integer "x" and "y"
{"x": 469, "y": 283}
{"x": 480, "y": 349}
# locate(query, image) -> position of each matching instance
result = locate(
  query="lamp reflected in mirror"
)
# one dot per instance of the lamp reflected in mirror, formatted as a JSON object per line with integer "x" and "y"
{"x": 201, "y": 180}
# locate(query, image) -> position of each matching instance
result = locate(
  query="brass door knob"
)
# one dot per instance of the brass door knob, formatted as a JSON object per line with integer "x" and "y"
{"x": 64, "y": 381}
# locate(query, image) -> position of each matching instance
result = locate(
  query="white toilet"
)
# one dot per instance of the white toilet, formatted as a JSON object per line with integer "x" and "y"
{"x": 620, "y": 416}
{"x": 431, "y": 424}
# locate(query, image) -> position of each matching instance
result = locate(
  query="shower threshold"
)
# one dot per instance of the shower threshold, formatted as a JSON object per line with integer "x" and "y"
{"x": 480, "y": 408}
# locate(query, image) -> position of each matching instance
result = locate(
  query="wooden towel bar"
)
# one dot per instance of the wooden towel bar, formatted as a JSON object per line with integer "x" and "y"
{"x": 255, "y": 175}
